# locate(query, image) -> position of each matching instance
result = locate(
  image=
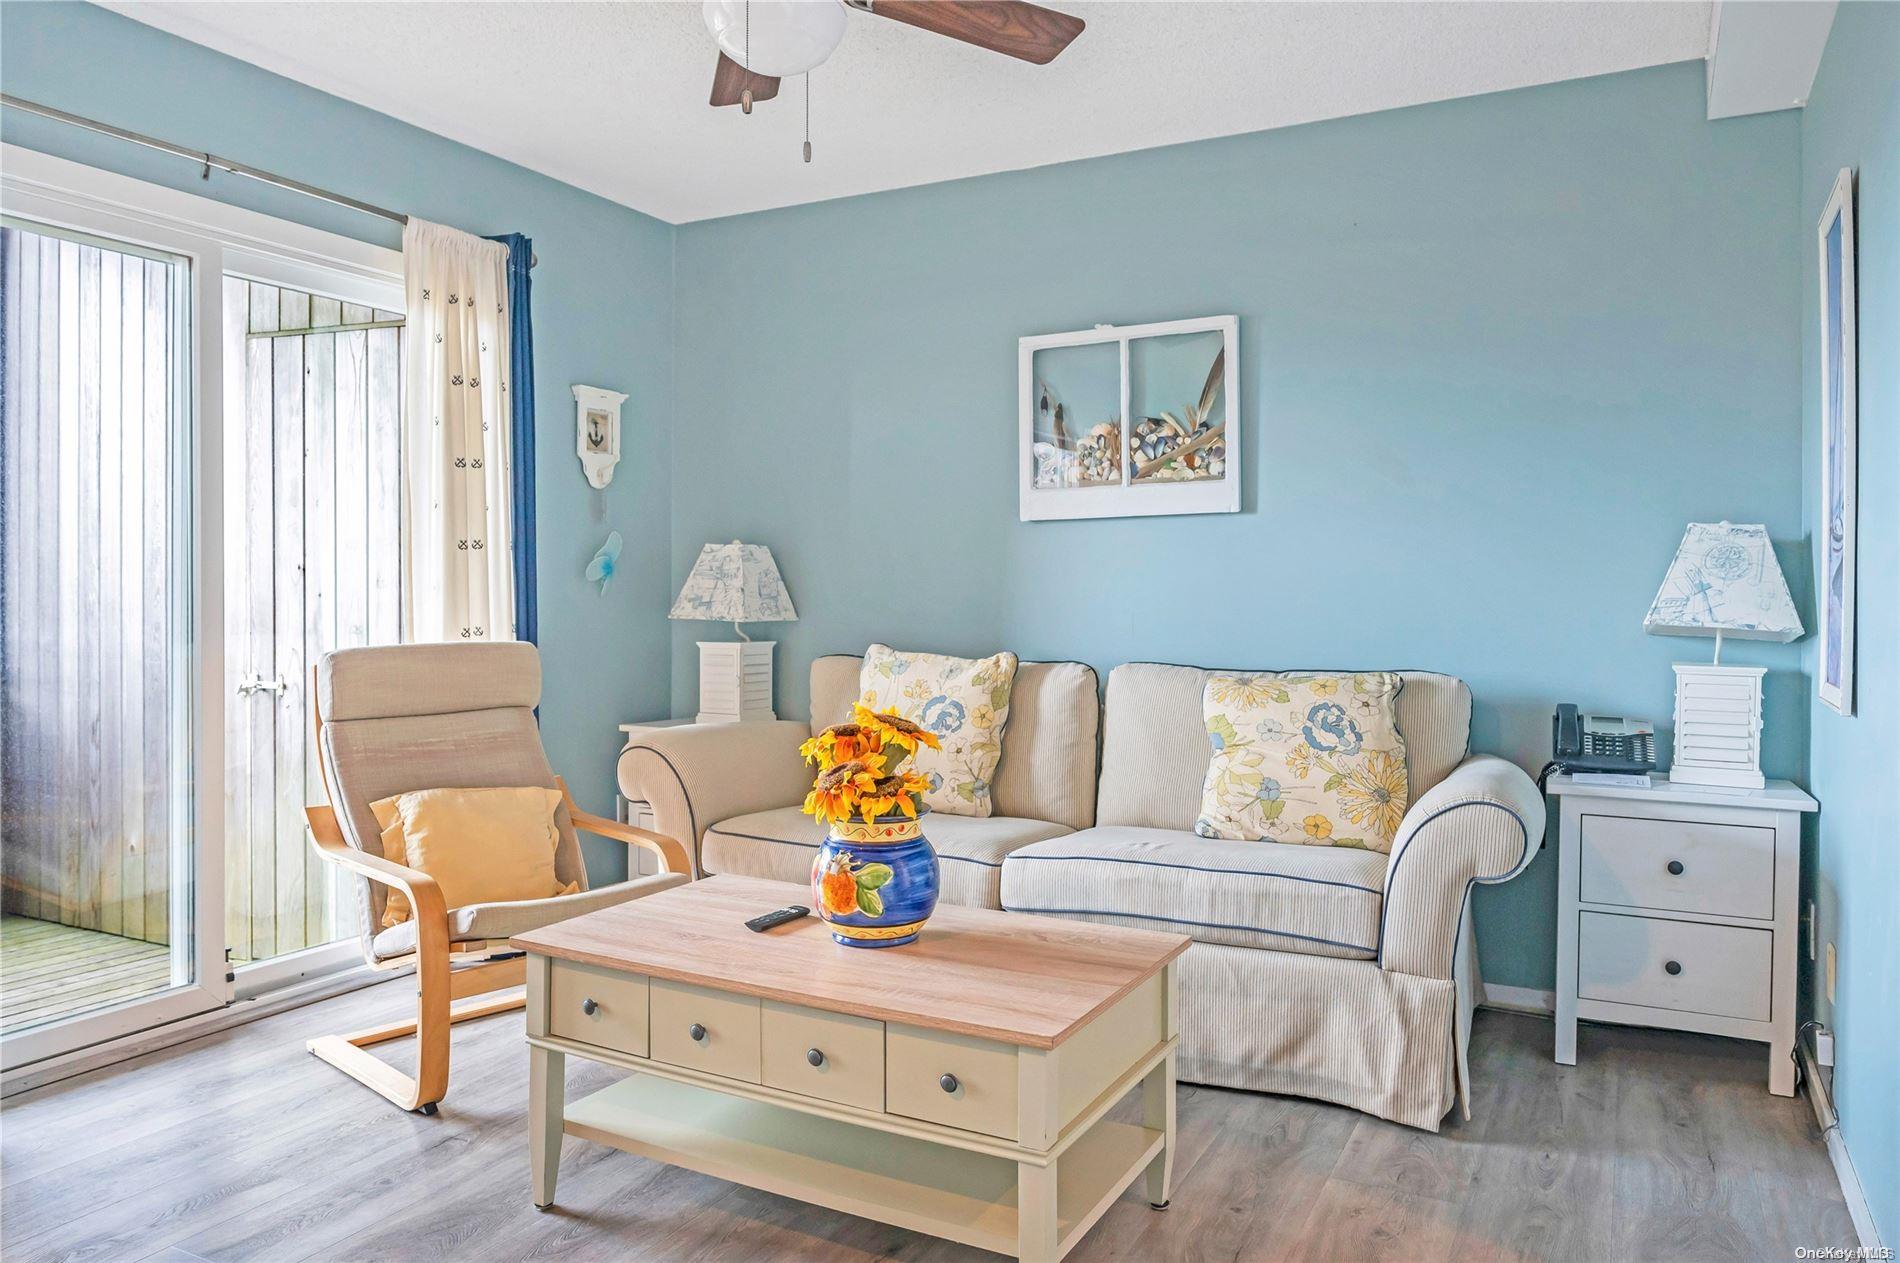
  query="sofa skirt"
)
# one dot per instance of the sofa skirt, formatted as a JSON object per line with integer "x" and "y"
{"x": 1344, "y": 1031}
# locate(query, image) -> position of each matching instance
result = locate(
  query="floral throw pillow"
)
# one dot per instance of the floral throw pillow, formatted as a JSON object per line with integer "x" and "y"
{"x": 1310, "y": 759}
{"x": 964, "y": 701}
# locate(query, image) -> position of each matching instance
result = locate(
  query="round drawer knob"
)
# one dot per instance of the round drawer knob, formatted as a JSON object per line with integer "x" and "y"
{"x": 589, "y": 1007}
{"x": 949, "y": 1083}
{"x": 815, "y": 1056}
{"x": 696, "y": 1033}
{"x": 1675, "y": 868}
{"x": 1672, "y": 968}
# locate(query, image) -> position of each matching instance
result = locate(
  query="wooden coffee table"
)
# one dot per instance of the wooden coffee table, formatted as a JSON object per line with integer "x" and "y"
{"x": 958, "y": 1086}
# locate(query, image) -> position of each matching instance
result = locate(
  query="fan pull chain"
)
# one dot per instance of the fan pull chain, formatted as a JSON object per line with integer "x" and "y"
{"x": 808, "y": 116}
{"x": 745, "y": 93}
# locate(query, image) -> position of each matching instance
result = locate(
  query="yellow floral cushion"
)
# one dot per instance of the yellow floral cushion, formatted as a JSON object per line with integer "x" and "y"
{"x": 964, "y": 701}
{"x": 1311, "y": 759}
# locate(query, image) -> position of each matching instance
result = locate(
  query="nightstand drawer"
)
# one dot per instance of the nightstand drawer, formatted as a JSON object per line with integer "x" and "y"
{"x": 1679, "y": 866}
{"x": 1687, "y": 966}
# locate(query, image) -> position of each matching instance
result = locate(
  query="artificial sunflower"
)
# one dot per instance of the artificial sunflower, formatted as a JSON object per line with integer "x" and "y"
{"x": 900, "y": 792}
{"x": 842, "y": 743}
{"x": 838, "y": 791}
{"x": 895, "y": 730}
{"x": 1374, "y": 794}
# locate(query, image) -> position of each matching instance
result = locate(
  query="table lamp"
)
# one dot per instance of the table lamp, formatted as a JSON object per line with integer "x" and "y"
{"x": 1724, "y": 581}
{"x": 736, "y": 583}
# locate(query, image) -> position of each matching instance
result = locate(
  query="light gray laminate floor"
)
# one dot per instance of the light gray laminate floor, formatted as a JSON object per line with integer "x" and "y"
{"x": 241, "y": 1146}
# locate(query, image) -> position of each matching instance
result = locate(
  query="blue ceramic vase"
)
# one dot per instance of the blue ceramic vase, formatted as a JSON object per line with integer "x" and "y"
{"x": 874, "y": 882}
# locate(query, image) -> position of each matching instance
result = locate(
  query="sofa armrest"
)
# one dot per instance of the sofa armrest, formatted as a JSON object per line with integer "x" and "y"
{"x": 1480, "y": 824}
{"x": 695, "y": 777}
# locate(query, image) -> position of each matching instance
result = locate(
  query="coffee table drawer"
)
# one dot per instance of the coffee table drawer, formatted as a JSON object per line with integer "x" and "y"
{"x": 604, "y": 1007}
{"x": 702, "y": 1029}
{"x": 1681, "y": 866}
{"x": 950, "y": 1079}
{"x": 830, "y": 1056}
{"x": 1687, "y": 966}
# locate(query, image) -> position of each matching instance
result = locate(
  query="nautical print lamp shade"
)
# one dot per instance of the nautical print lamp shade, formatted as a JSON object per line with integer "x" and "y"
{"x": 735, "y": 583}
{"x": 1724, "y": 579}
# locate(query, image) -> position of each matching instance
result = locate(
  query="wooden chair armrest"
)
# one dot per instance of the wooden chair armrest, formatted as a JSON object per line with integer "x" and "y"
{"x": 672, "y": 854}
{"x": 425, "y": 894}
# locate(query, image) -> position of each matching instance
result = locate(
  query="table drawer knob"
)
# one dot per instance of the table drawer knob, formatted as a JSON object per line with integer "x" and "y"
{"x": 589, "y": 1006}
{"x": 1675, "y": 868}
{"x": 815, "y": 1056}
{"x": 949, "y": 1083}
{"x": 1672, "y": 968}
{"x": 697, "y": 1033}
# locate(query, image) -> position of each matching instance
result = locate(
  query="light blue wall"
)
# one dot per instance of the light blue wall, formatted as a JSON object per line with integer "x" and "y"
{"x": 1494, "y": 354}
{"x": 1853, "y": 120}
{"x": 602, "y": 308}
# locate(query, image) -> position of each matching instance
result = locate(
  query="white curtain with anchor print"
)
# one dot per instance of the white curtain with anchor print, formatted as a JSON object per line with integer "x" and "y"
{"x": 456, "y": 474}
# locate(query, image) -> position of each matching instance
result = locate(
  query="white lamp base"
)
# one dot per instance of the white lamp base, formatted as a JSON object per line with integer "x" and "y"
{"x": 735, "y": 681}
{"x": 1718, "y": 726}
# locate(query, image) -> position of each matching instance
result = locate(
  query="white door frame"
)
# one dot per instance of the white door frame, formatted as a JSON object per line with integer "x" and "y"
{"x": 217, "y": 239}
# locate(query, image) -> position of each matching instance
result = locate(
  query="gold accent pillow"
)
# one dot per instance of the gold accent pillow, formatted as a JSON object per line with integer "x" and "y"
{"x": 964, "y": 701}
{"x": 480, "y": 845}
{"x": 1315, "y": 760}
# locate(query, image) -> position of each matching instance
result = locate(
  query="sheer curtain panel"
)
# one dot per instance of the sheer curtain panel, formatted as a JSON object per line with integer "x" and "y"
{"x": 456, "y": 458}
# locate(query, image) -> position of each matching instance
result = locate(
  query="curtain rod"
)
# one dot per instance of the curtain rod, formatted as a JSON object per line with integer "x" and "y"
{"x": 207, "y": 160}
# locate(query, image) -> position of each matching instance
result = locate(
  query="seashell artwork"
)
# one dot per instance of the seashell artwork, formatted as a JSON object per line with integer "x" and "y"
{"x": 1107, "y": 411}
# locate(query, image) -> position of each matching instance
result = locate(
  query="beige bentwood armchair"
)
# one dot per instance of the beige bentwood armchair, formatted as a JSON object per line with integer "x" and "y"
{"x": 440, "y": 716}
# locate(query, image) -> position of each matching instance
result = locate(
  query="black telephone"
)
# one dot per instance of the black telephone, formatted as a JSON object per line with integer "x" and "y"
{"x": 1601, "y": 743}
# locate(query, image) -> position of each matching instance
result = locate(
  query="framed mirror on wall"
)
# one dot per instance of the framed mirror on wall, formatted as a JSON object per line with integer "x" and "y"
{"x": 1130, "y": 420}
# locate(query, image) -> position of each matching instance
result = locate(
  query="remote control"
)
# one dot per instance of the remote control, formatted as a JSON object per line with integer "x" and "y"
{"x": 772, "y": 920}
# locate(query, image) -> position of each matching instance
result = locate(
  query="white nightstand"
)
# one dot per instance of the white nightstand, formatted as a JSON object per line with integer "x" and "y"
{"x": 638, "y": 814}
{"x": 1677, "y": 907}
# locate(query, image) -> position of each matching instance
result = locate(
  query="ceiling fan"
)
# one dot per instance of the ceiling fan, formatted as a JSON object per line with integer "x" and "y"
{"x": 763, "y": 41}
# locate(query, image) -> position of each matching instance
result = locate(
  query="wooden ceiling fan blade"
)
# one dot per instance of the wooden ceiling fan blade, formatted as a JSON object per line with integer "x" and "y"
{"x": 731, "y": 80}
{"x": 1011, "y": 27}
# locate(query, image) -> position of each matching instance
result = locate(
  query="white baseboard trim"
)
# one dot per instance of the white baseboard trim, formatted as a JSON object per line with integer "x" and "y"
{"x": 98, "y": 1056}
{"x": 1854, "y": 1195}
{"x": 1821, "y": 1099}
{"x": 1518, "y": 999}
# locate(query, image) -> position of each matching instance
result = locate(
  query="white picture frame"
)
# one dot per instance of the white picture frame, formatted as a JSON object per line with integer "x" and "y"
{"x": 597, "y": 432}
{"x": 1128, "y": 495}
{"x": 1834, "y": 236}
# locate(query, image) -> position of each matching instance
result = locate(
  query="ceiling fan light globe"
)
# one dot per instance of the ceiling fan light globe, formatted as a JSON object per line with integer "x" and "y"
{"x": 787, "y": 37}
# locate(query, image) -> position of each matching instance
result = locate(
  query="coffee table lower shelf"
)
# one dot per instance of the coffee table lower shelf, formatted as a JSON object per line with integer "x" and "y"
{"x": 944, "y": 1191}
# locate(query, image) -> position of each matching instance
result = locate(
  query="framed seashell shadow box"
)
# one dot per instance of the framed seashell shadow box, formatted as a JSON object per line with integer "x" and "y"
{"x": 1130, "y": 420}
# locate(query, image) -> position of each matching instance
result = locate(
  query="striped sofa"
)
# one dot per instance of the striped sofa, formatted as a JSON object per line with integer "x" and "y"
{"x": 1325, "y": 972}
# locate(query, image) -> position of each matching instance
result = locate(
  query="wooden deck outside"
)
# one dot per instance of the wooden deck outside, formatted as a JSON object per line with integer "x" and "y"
{"x": 49, "y": 970}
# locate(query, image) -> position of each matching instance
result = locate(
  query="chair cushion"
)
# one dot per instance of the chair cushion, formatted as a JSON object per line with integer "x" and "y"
{"x": 503, "y": 920}
{"x": 1318, "y": 901}
{"x": 491, "y": 845}
{"x": 779, "y": 844}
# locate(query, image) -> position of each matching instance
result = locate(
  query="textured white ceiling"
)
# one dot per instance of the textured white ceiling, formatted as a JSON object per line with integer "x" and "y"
{"x": 612, "y": 97}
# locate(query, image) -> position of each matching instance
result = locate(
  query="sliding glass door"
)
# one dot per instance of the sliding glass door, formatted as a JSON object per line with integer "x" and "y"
{"x": 199, "y": 496}
{"x": 97, "y": 855}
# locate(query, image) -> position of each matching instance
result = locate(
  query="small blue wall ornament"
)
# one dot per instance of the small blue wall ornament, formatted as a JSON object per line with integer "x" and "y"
{"x": 601, "y": 569}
